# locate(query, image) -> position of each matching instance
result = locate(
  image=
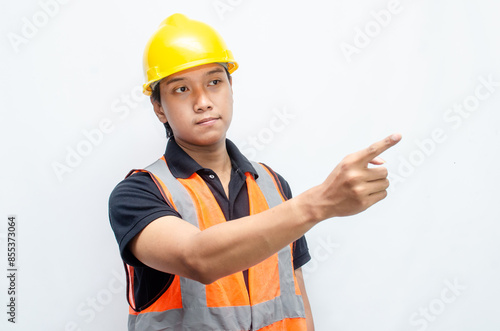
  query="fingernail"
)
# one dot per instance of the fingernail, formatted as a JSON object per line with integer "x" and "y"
{"x": 395, "y": 137}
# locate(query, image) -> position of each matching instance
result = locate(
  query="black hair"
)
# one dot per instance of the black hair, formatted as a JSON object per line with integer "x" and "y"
{"x": 156, "y": 97}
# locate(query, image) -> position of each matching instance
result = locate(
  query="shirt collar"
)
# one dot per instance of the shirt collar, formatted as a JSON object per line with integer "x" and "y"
{"x": 183, "y": 166}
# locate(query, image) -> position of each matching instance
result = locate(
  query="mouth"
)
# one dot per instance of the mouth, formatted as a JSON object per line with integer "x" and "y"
{"x": 208, "y": 120}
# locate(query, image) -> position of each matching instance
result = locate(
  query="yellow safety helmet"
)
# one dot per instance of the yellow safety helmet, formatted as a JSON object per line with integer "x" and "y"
{"x": 181, "y": 43}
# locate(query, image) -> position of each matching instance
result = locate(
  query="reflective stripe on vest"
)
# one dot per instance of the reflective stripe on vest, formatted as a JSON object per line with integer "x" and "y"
{"x": 217, "y": 306}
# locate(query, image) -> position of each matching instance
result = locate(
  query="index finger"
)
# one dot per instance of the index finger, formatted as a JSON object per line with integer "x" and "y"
{"x": 366, "y": 155}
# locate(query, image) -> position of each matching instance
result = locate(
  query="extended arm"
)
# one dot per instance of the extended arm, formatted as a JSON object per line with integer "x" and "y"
{"x": 171, "y": 245}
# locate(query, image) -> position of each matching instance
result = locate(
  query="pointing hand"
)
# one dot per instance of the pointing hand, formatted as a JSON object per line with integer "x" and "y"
{"x": 352, "y": 187}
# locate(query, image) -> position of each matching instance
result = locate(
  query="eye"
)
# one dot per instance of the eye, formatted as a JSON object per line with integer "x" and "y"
{"x": 180, "y": 89}
{"x": 214, "y": 82}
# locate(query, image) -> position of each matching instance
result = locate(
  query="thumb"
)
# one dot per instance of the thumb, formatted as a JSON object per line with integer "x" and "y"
{"x": 377, "y": 161}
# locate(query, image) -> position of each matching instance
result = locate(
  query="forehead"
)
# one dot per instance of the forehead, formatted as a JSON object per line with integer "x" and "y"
{"x": 195, "y": 72}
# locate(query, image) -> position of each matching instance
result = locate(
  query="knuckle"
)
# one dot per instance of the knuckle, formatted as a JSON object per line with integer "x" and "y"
{"x": 372, "y": 150}
{"x": 352, "y": 180}
{"x": 346, "y": 165}
{"x": 357, "y": 191}
{"x": 348, "y": 160}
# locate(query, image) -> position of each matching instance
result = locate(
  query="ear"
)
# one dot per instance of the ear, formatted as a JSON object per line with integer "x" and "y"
{"x": 158, "y": 110}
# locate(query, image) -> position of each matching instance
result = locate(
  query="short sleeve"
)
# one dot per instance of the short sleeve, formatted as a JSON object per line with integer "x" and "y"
{"x": 134, "y": 203}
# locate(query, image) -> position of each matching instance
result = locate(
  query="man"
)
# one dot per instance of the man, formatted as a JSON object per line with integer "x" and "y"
{"x": 212, "y": 241}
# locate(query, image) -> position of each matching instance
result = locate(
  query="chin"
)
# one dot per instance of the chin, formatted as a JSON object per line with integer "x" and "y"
{"x": 204, "y": 140}
{"x": 213, "y": 140}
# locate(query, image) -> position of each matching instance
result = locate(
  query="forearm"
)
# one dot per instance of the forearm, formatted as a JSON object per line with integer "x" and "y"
{"x": 239, "y": 244}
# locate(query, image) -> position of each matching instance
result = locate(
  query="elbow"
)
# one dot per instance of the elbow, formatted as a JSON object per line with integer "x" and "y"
{"x": 203, "y": 276}
{"x": 206, "y": 280}
{"x": 200, "y": 271}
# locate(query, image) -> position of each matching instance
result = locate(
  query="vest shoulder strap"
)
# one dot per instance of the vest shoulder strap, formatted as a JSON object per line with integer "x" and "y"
{"x": 266, "y": 180}
{"x": 269, "y": 184}
{"x": 180, "y": 197}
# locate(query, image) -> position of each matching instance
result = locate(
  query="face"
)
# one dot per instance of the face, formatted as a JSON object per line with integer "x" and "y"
{"x": 198, "y": 104}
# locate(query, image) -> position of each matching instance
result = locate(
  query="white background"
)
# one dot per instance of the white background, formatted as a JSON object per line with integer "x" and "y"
{"x": 426, "y": 258}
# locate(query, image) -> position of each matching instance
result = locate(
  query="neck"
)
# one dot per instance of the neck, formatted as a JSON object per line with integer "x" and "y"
{"x": 214, "y": 157}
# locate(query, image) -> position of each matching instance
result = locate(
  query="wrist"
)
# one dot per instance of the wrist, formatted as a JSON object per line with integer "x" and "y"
{"x": 308, "y": 208}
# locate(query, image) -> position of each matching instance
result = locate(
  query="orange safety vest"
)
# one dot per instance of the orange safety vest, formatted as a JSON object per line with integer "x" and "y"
{"x": 272, "y": 300}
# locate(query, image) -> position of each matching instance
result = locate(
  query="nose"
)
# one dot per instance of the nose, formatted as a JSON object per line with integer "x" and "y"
{"x": 202, "y": 101}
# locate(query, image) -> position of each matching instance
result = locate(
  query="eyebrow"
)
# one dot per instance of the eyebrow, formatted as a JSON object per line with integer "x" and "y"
{"x": 216, "y": 70}
{"x": 173, "y": 80}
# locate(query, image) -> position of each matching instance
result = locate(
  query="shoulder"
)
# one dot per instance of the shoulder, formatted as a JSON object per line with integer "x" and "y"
{"x": 135, "y": 196}
{"x": 137, "y": 183}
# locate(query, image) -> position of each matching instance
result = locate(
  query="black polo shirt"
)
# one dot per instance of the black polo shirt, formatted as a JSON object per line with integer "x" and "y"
{"x": 136, "y": 201}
